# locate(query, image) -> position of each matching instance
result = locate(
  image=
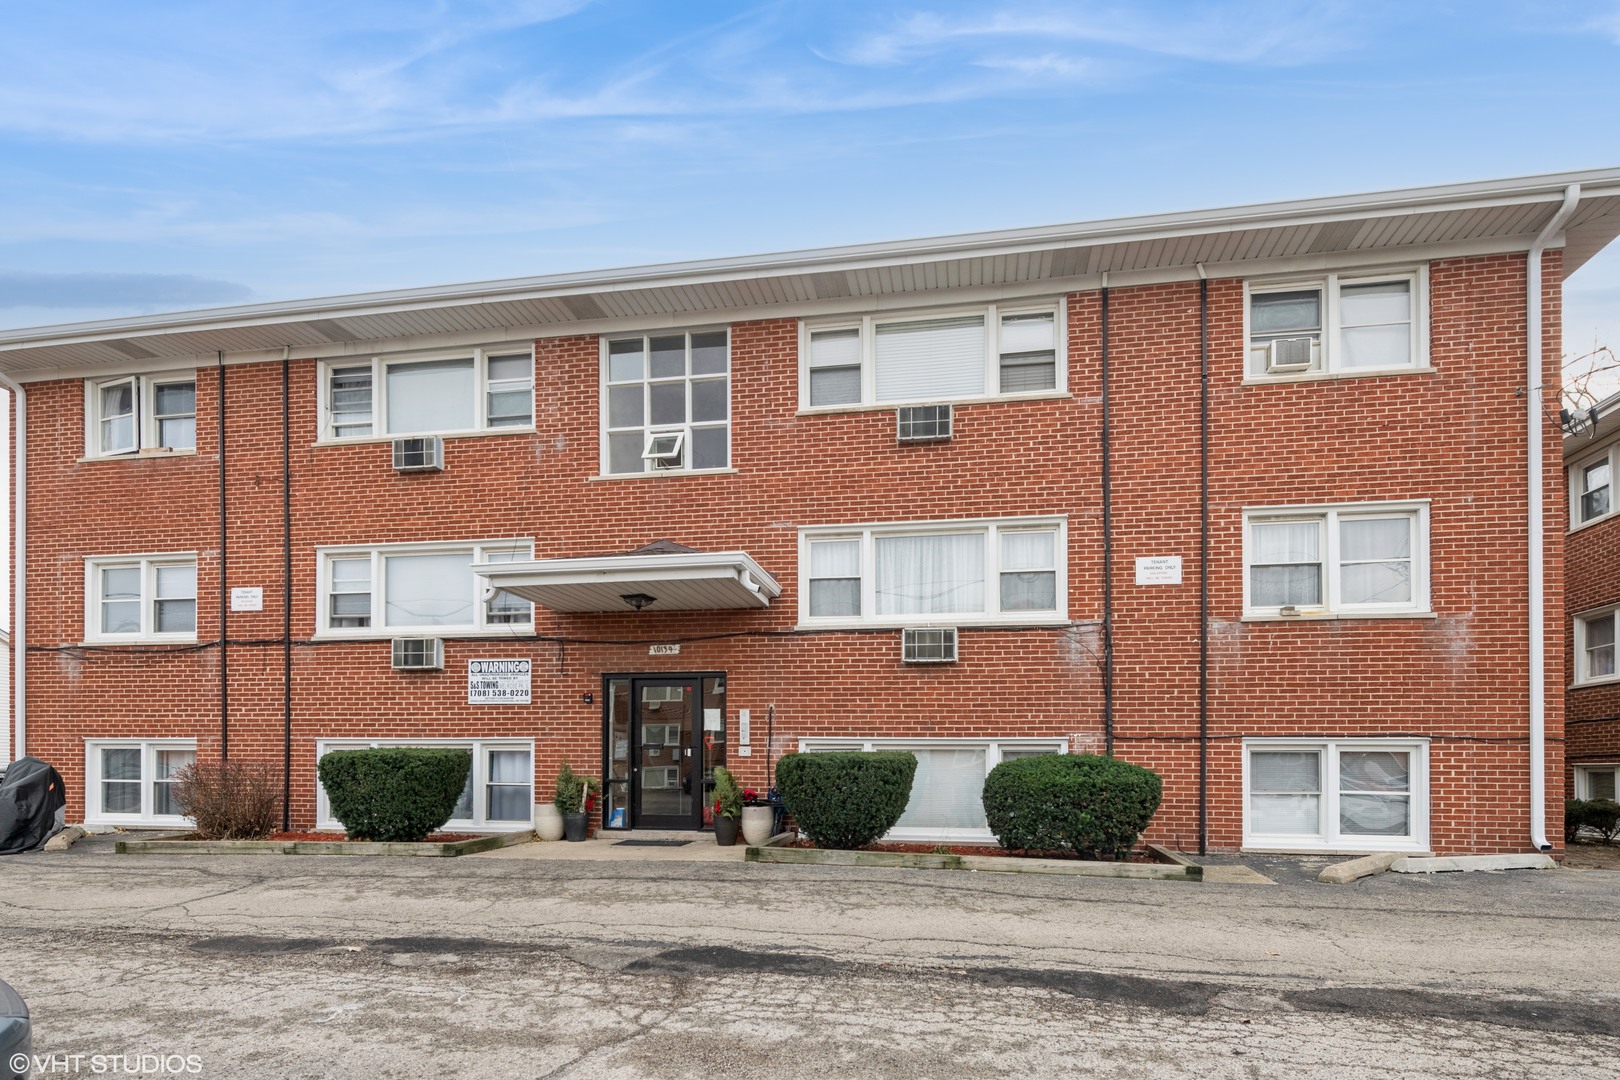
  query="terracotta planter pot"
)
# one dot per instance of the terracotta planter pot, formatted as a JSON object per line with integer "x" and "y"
{"x": 548, "y": 822}
{"x": 757, "y": 822}
{"x": 725, "y": 831}
{"x": 574, "y": 826}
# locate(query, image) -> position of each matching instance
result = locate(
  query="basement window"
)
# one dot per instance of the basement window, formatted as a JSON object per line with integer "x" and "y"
{"x": 131, "y": 782}
{"x": 1312, "y": 795}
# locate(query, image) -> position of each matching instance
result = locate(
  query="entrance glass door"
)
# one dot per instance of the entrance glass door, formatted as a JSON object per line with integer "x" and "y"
{"x": 664, "y": 735}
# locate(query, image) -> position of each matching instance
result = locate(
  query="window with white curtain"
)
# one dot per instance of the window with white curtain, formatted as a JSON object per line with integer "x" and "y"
{"x": 426, "y": 589}
{"x": 1338, "y": 324}
{"x": 1596, "y": 781}
{"x": 134, "y": 414}
{"x": 1591, "y": 487}
{"x": 135, "y": 598}
{"x": 1366, "y": 558}
{"x": 132, "y": 781}
{"x": 1312, "y": 795}
{"x": 1595, "y": 646}
{"x": 947, "y": 793}
{"x": 1006, "y": 570}
{"x": 989, "y": 351}
{"x": 498, "y": 795}
{"x": 475, "y": 390}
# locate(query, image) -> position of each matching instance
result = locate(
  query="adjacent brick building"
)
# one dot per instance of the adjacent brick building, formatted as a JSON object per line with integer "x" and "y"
{"x": 710, "y": 513}
{"x": 1592, "y": 596}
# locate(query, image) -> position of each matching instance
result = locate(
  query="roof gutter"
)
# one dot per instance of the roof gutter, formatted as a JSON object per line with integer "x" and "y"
{"x": 1537, "y": 527}
{"x": 19, "y": 575}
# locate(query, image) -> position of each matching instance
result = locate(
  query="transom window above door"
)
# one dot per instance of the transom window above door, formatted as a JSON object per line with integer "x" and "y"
{"x": 986, "y": 351}
{"x": 472, "y": 391}
{"x": 666, "y": 403}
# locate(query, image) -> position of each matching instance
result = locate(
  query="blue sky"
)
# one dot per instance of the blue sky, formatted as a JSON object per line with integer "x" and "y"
{"x": 164, "y": 155}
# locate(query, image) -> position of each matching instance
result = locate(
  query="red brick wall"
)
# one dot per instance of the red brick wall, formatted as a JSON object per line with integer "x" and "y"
{"x": 1591, "y": 581}
{"x": 1455, "y": 437}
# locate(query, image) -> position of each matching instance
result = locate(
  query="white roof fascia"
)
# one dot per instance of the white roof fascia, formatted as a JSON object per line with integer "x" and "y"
{"x": 1547, "y": 188}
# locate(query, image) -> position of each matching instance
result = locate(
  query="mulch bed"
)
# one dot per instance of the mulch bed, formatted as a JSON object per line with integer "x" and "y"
{"x": 975, "y": 849}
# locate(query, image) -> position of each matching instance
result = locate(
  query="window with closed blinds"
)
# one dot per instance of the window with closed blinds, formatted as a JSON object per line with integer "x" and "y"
{"x": 931, "y": 358}
{"x": 948, "y": 790}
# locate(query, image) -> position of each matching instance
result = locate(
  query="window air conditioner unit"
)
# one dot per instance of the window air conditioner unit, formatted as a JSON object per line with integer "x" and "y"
{"x": 923, "y": 423}
{"x": 1289, "y": 354}
{"x": 418, "y": 654}
{"x": 422, "y": 454}
{"x": 928, "y": 645}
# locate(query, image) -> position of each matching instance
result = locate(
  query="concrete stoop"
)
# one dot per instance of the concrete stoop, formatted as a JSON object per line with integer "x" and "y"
{"x": 1412, "y": 864}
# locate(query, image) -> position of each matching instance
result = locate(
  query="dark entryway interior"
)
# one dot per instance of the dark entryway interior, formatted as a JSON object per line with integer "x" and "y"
{"x": 663, "y": 735}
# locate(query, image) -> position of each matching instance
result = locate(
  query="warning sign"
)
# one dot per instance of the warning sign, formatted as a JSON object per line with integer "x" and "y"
{"x": 498, "y": 682}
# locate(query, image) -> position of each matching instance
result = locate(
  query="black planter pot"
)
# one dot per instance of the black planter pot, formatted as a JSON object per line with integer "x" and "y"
{"x": 725, "y": 830}
{"x": 574, "y": 826}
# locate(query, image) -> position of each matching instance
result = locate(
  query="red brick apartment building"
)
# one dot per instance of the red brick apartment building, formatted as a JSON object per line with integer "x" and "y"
{"x": 1263, "y": 498}
{"x": 1591, "y": 600}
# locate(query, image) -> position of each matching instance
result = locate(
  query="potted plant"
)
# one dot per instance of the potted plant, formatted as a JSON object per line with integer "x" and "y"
{"x": 575, "y": 798}
{"x": 728, "y": 808}
{"x": 758, "y": 818}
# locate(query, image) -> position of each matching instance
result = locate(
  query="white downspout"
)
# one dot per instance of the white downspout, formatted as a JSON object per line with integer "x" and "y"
{"x": 19, "y": 574}
{"x": 1538, "y": 599}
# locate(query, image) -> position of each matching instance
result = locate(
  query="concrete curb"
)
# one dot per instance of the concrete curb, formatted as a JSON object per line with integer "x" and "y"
{"x": 988, "y": 863}
{"x": 450, "y": 849}
{"x": 1356, "y": 869}
{"x": 1412, "y": 864}
{"x": 65, "y": 839}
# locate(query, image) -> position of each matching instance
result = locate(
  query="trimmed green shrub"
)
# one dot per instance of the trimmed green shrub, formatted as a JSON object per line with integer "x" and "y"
{"x": 1094, "y": 806}
{"x": 847, "y": 799}
{"x": 1574, "y": 818}
{"x": 1601, "y": 816}
{"x": 394, "y": 793}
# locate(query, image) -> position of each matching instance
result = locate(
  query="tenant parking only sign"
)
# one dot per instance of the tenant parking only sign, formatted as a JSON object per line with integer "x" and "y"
{"x": 498, "y": 682}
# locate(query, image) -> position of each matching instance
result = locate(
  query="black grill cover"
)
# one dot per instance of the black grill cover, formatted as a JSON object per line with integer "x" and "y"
{"x": 32, "y": 802}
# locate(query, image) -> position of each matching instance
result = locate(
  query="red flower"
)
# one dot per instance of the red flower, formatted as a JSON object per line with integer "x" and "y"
{"x": 750, "y": 794}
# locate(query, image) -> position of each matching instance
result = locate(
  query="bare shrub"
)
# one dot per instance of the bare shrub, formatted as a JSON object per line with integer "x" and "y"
{"x": 236, "y": 800}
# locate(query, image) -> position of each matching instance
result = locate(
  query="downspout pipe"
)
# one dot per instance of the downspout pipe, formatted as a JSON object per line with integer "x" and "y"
{"x": 1108, "y": 544}
{"x": 1534, "y": 421}
{"x": 224, "y": 586}
{"x": 286, "y": 590}
{"x": 19, "y": 573}
{"x": 1203, "y": 561}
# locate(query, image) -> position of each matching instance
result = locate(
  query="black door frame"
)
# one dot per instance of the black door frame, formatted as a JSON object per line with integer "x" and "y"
{"x": 638, "y": 679}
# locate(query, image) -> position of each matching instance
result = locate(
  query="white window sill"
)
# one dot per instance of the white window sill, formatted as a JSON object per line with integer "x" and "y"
{"x": 135, "y": 821}
{"x": 1325, "y": 616}
{"x": 102, "y": 642}
{"x": 663, "y": 472}
{"x": 452, "y": 826}
{"x": 513, "y": 630}
{"x": 1607, "y": 680}
{"x": 1588, "y": 524}
{"x": 1329, "y": 376}
{"x": 142, "y": 455}
{"x": 961, "y": 622}
{"x": 890, "y": 406}
{"x": 1278, "y": 846}
{"x": 477, "y": 433}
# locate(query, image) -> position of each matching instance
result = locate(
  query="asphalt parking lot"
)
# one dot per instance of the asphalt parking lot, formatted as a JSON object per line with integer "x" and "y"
{"x": 487, "y": 966}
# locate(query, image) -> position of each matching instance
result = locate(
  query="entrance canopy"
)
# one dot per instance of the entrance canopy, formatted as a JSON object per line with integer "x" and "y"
{"x": 659, "y": 577}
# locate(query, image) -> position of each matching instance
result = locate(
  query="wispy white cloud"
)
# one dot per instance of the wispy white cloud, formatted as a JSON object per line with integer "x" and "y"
{"x": 28, "y": 289}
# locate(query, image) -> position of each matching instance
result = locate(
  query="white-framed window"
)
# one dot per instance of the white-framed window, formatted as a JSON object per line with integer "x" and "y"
{"x": 499, "y": 794}
{"x": 131, "y": 781}
{"x": 1314, "y": 794}
{"x": 1007, "y": 570}
{"x": 1597, "y": 781}
{"x": 135, "y": 413}
{"x": 666, "y": 402}
{"x": 387, "y": 590}
{"x": 1354, "y": 559}
{"x": 1591, "y": 488}
{"x": 890, "y": 359}
{"x": 1337, "y": 324}
{"x": 453, "y": 394}
{"x": 1595, "y": 646}
{"x": 947, "y": 794}
{"x": 134, "y": 598}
